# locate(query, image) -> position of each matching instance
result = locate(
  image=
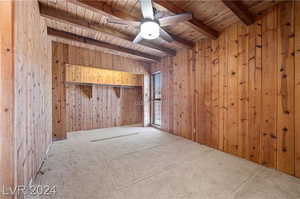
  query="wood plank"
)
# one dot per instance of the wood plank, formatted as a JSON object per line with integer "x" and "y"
{"x": 268, "y": 140}
{"x": 286, "y": 83}
{"x": 86, "y": 40}
{"x": 240, "y": 11}
{"x": 7, "y": 96}
{"x": 297, "y": 88}
{"x": 255, "y": 81}
{"x": 200, "y": 93}
{"x": 215, "y": 48}
{"x": 243, "y": 95}
{"x": 231, "y": 135}
{"x": 194, "y": 23}
{"x": 208, "y": 93}
{"x": 222, "y": 88}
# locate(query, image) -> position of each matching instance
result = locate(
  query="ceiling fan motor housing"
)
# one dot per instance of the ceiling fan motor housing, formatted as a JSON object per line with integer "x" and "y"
{"x": 150, "y": 29}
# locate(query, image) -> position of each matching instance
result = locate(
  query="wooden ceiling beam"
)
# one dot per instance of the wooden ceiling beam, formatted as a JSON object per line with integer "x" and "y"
{"x": 64, "y": 17}
{"x": 105, "y": 10}
{"x": 193, "y": 23}
{"x": 97, "y": 43}
{"x": 240, "y": 11}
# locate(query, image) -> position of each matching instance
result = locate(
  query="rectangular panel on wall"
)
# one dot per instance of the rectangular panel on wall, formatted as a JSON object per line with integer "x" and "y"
{"x": 214, "y": 140}
{"x": 255, "y": 68}
{"x": 182, "y": 82}
{"x": 269, "y": 90}
{"x": 59, "y": 59}
{"x": 90, "y": 75}
{"x": 199, "y": 93}
{"x": 285, "y": 120}
{"x": 207, "y": 91}
{"x": 222, "y": 88}
{"x": 7, "y": 96}
{"x": 297, "y": 88}
{"x": 231, "y": 134}
{"x": 243, "y": 95}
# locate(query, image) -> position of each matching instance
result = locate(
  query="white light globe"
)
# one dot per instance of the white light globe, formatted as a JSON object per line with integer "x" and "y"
{"x": 149, "y": 30}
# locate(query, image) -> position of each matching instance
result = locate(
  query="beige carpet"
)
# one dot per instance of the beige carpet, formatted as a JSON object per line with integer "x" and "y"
{"x": 145, "y": 163}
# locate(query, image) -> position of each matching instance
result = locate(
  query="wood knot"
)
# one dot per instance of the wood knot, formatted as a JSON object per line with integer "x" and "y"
{"x": 285, "y": 129}
{"x": 291, "y": 35}
{"x": 6, "y": 110}
{"x": 251, "y": 58}
{"x": 233, "y": 73}
{"x": 273, "y": 136}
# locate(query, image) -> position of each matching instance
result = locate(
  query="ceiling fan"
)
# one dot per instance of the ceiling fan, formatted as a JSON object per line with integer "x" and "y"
{"x": 152, "y": 22}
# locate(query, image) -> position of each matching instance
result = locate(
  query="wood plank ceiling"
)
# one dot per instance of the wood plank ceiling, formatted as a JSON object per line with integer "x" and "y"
{"x": 83, "y": 23}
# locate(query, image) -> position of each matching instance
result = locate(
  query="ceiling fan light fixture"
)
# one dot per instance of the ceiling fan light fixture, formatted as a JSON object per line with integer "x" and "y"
{"x": 150, "y": 30}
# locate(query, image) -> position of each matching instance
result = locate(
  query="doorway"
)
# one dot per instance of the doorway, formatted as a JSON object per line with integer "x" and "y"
{"x": 156, "y": 99}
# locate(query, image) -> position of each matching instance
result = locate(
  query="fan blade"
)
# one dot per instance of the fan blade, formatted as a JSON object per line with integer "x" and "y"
{"x": 147, "y": 9}
{"x": 123, "y": 22}
{"x": 160, "y": 14}
{"x": 138, "y": 38}
{"x": 165, "y": 35}
{"x": 166, "y": 21}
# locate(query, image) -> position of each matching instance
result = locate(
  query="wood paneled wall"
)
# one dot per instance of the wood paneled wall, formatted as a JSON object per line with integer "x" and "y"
{"x": 33, "y": 98}
{"x": 240, "y": 93}
{"x": 66, "y": 54}
{"x": 104, "y": 109}
{"x": 25, "y": 88}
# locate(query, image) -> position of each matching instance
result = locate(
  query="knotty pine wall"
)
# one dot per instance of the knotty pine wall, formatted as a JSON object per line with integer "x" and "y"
{"x": 83, "y": 115}
{"x": 105, "y": 109}
{"x": 240, "y": 93}
{"x": 25, "y": 86}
